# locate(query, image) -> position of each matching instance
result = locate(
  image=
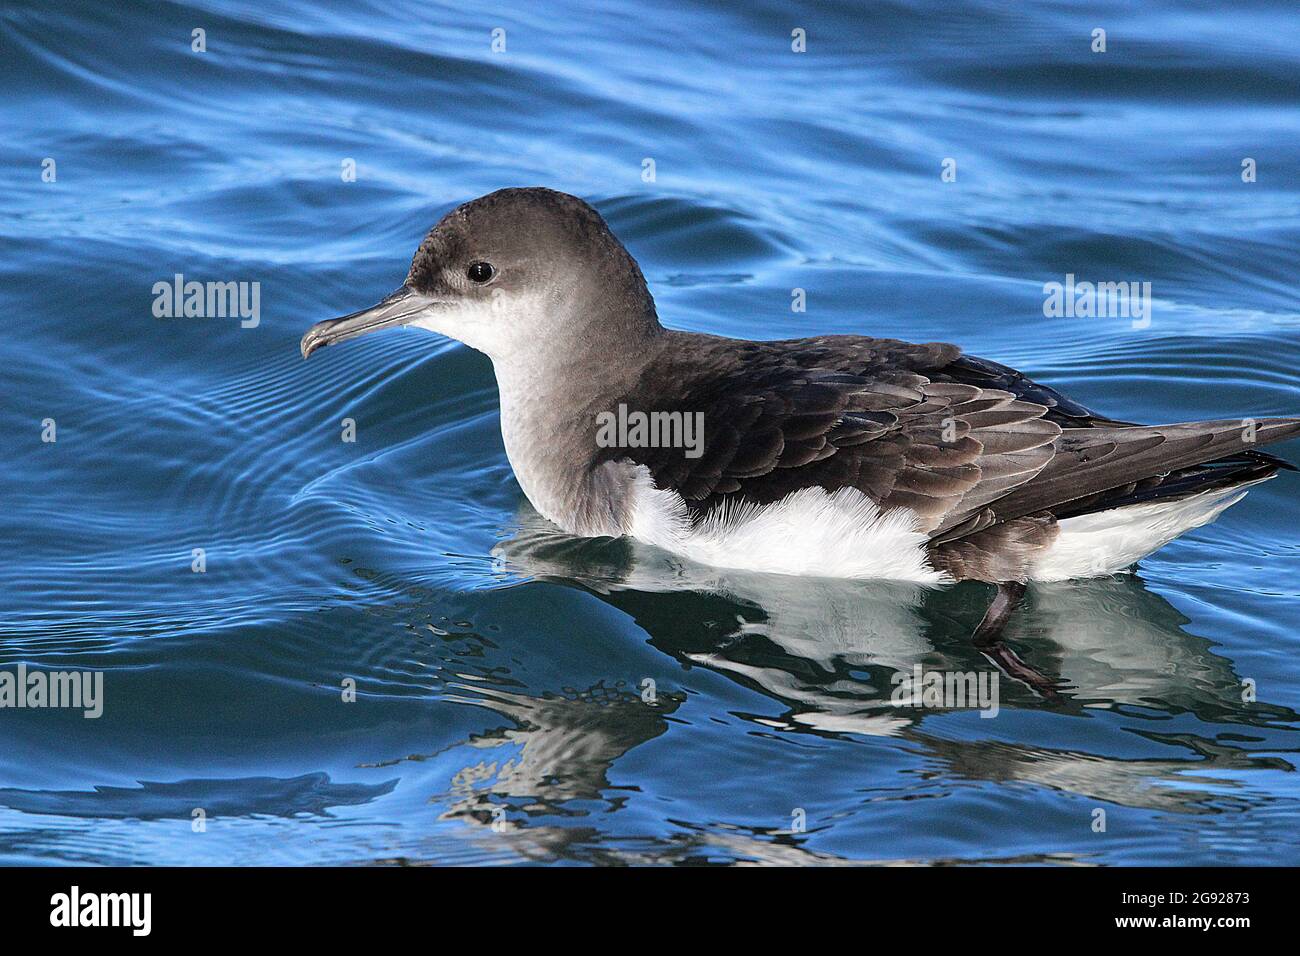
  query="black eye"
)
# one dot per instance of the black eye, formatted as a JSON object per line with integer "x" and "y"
{"x": 480, "y": 271}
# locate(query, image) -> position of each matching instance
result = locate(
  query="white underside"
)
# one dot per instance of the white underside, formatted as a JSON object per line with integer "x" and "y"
{"x": 844, "y": 534}
{"x": 1109, "y": 541}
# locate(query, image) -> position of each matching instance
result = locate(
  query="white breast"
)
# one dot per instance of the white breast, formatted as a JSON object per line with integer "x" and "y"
{"x": 843, "y": 534}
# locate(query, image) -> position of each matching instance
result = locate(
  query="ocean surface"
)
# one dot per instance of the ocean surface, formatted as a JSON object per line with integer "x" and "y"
{"x": 316, "y": 651}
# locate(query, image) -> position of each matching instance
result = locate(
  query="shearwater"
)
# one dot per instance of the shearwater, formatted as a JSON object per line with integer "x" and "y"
{"x": 837, "y": 455}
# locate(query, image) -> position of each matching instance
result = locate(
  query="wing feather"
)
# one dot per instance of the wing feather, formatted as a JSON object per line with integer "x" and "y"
{"x": 962, "y": 442}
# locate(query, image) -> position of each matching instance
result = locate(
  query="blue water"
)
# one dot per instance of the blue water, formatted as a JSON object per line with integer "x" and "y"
{"x": 499, "y": 666}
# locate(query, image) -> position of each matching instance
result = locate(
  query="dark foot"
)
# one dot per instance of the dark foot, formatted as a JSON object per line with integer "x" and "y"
{"x": 1011, "y": 665}
{"x": 1004, "y": 605}
{"x": 987, "y": 639}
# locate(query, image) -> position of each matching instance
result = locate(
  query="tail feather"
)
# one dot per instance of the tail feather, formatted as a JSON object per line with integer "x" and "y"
{"x": 1231, "y": 472}
{"x": 1095, "y": 468}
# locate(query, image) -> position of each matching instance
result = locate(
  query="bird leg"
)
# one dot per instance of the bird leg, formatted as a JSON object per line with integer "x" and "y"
{"x": 987, "y": 638}
{"x": 1000, "y": 610}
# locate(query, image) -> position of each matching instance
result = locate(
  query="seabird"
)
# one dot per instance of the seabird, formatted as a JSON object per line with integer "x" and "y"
{"x": 836, "y": 455}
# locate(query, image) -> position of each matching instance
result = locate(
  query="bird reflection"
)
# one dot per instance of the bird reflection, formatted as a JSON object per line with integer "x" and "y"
{"x": 829, "y": 652}
{"x": 1107, "y": 642}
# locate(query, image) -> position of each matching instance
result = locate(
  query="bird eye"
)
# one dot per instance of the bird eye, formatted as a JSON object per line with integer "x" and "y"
{"x": 480, "y": 271}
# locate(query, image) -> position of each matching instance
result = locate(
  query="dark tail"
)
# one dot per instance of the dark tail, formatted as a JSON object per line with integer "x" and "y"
{"x": 1241, "y": 468}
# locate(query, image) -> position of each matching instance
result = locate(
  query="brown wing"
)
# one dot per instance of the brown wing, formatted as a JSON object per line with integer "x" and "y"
{"x": 964, "y": 443}
{"x": 841, "y": 412}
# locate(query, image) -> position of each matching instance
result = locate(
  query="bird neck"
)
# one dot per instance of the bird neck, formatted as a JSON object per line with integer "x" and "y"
{"x": 549, "y": 404}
